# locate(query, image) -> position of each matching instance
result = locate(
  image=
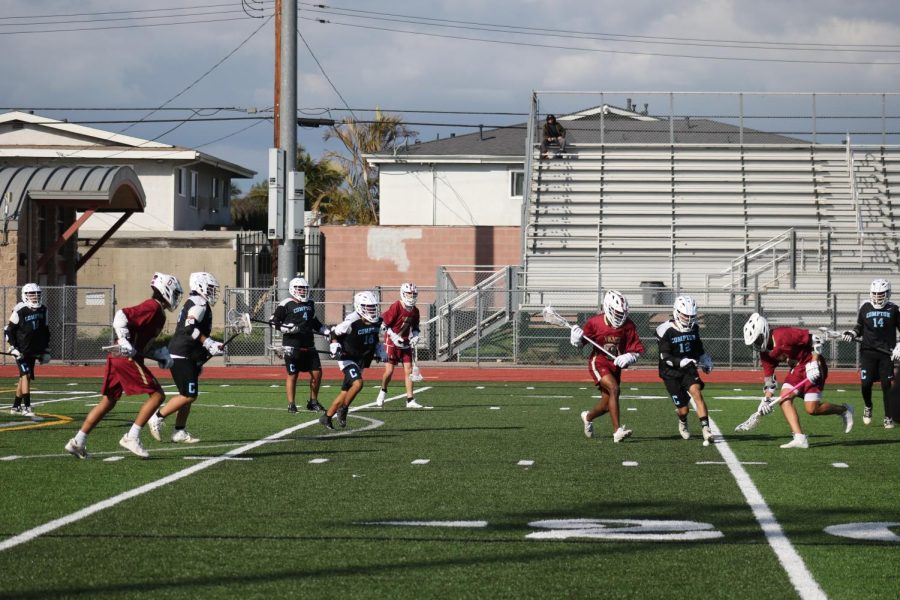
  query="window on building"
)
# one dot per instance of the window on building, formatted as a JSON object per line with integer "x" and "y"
{"x": 195, "y": 181}
{"x": 516, "y": 184}
{"x": 179, "y": 181}
{"x": 214, "y": 194}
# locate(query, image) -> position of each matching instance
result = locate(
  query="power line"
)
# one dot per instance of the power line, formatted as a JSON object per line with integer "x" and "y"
{"x": 604, "y": 50}
{"x": 124, "y": 12}
{"x": 322, "y": 69}
{"x": 604, "y": 35}
{"x": 110, "y": 27}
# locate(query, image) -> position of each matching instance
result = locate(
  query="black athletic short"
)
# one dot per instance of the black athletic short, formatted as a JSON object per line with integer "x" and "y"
{"x": 875, "y": 366}
{"x": 26, "y": 366}
{"x": 186, "y": 374}
{"x": 352, "y": 372}
{"x": 678, "y": 387}
{"x": 301, "y": 360}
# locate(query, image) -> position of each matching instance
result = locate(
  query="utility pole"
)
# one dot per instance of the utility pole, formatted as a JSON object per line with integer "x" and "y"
{"x": 286, "y": 119}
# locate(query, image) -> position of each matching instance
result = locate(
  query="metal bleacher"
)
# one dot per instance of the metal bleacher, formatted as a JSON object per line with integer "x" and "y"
{"x": 616, "y": 215}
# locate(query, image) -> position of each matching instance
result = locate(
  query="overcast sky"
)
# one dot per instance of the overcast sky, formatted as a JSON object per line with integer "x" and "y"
{"x": 392, "y": 54}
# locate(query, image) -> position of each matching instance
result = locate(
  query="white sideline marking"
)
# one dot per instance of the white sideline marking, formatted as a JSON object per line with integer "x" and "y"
{"x": 629, "y": 463}
{"x": 36, "y": 532}
{"x": 428, "y": 523}
{"x": 632, "y": 408}
{"x": 421, "y": 461}
{"x": 564, "y": 408}
{"x": 807, "y": 587}
{"x": 840, "y": 465}
{"x": 479, "y": 387}
{"x": 113, "y": 458}
{"x": 318, "y": 461}
{"x": 205, "y": 457}
{"x": 10, "y": 457}
{"x": 495, "y": 408}
{"x": 722, "y": 462}
{"x": 525, "y": 463}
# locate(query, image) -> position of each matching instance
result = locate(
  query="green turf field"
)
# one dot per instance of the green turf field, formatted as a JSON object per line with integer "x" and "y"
{"x": 512, "y": 500}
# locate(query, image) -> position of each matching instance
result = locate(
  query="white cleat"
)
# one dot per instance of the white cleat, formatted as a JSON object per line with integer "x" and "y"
{"x": 621, "y": 433}
{"x": 155, "y": 425}
{"x": 134, "y": 446}
{"x": 182, "y": 436}
{"x": 707, "y": 435}
{"x": 413, "y": 404}
{"x": 683, "y": 430}
{"x": 888, "y": 423}
{"x": 800, "y": 441}
{"x": 379, "y": 401}
{"x": 847, "y": 418}
{"x": 27, "y": 411}
{"x": 76, "y": 449}
{"x": 15, "y": 410}
{"x": 588, "y": 425}
{"x": 867, "y": 415}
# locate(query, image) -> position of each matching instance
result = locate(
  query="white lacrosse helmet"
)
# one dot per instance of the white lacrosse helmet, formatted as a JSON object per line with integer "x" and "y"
{"x": 169, "y": 289}
{"x": 299, "y": 289}
{"x": 685, "y": 313}
{"x": 366, "y": 306}
{"x": 408, "y": 294}
{"x": 206, "y": 285}
{"x": 756, "y": 332}
{"x": 615, "y": 307}
{"x": 880, "y": 292}
{"x": 31, "y": 295}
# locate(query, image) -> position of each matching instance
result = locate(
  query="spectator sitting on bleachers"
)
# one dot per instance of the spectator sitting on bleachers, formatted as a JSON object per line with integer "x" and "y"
{"x": 553, "y": 133}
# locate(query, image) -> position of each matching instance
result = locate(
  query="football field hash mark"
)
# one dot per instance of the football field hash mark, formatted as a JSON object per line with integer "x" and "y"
{"x": 525, "y": 463}
{"x": 840, "y": 465}
{"x": 421, "y": 461}
{"x": 318, "y": 461}
{"x": 629, "y": 463}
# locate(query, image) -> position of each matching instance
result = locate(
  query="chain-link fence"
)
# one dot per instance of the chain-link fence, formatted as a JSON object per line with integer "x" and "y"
{"x": 79, "y": 318}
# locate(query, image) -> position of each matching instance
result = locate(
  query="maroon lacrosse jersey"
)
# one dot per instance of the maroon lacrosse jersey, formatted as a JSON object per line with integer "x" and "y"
{"x": 401, "y": 320}
{"x": 790, "y": 344}
{"x": 129, "y": 375}
{"x": 615, "y": 340}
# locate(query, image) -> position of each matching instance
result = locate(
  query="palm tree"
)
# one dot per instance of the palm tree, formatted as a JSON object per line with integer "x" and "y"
{"x": 361, "y": 139}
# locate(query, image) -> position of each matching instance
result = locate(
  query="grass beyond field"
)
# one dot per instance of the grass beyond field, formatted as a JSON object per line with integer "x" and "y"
{"x": 492, "y": 492}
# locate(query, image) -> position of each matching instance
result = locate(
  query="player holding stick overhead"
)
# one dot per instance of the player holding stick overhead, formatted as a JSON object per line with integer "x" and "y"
{"x": 190, "y": 347}
{"x": 354, "y": 342}
{"x": 619, "y": 348}
{"x": 680, "y": 353}
{"x": 401, "y": 326}
{"x": 877, "y": 324}
{"x": 296, "y": 318}
{"x": 806, "y": 378}
{"x": 28, "y": 337}
{"x": 135, "y": 327}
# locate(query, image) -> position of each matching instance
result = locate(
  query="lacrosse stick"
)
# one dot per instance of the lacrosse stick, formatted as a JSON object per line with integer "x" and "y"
{"x": 242, "y": 325}
{"x": 416, "y": 374}
{"x": 279, "y": 350}
{"x": 831, "y": 334}
{"x": 554, "y": 318}
{"x": 753, "y": 420}
{"x": 234, "y": 316}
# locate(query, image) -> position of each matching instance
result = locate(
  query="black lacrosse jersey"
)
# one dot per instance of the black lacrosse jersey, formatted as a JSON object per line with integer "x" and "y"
{"x": 301, "y": 314}
{"x": 27, "y": 329}
{"x": 183, "y": 342}
{"x": 675, "y": 345}
{"x": 878, "y": 326}
{"x": 358, "y": 344}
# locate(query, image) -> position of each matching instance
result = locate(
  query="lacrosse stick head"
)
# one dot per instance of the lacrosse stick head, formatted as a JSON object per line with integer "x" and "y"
{"x": 240, "y": 324}
{"x": 749, "y": 424}
{"x": 553, "y": 317}
{"x": 416, "y": 374}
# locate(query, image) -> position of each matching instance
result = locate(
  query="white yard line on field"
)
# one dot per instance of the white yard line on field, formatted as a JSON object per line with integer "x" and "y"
{"x": 807, "y": 587}
{"x": 36, "y": 532}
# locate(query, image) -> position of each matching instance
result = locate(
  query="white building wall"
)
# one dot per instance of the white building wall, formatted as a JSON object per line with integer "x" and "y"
{"x": 158, "y": 184}
{"x": 454, "y": 194}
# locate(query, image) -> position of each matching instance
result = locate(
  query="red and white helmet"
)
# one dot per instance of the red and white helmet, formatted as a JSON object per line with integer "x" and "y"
{"x": 756, "y": 332}
{"x": 366, "y": 306}
{"x": 31, "y": 295}
{"x": 684, "y": 313}
{"x": 880, "y": 292}
{"x": 408, "y": 294}
{"x": 206, "y": 285}
{"x": 615, "y": 307}
{"x": 169, "y": 289}
{"x": 299, "y": 289}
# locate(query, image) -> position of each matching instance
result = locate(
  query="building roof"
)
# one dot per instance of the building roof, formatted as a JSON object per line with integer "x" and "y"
{"x": 584, "y": 127}
{"x": 87, "y": 144}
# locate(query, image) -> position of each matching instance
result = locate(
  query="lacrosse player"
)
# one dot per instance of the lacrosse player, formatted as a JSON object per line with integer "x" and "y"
{"x": 401, "y": 327}
{"x": 354, "y": 342}
{"x": 680, "y": 353}
{"x": 806, "y": 378}
{"x": 877, "y": 324}
{"x": 190, "y": 347}
{"x": 135, "y": 327}
{"x": 28, "y": 338}
{"x": 296, "y": 318}
{"x": 617, "y": 334}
